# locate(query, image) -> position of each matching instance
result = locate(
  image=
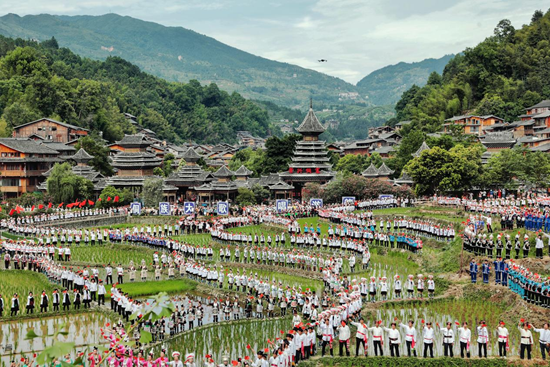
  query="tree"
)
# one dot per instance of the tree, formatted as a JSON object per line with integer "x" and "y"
{"x": 278, "y": 153}
{"x": 504, "y": 30}
{"x": 409, "y": 145}
{"x": 108, "y": 195}
{"x": 19, "y": 113}
{"x": 375, "y": 158}
{"x": 95, "y": 148}
{"x": 351, "y": 163}
{"x": 152, "y": 192}
{"x": 245, "y": 197}
{"x": 157, "y": 171}
{"x": 537, "y": 15}
{"x": 313, "y": 190}
{"x": 5, "y": 130}
{"x": 167, "y": 164}
{"x": 439, "y": 170}
{"x": 511, "y": 167}
{"x": 260, "y": 193}
{"x": 66, "y": 187}
{"x": 434, "y": 79}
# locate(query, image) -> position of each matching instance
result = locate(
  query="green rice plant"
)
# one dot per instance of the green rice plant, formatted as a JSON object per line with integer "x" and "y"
{"x": 22, "y": 282}
{"x": 139, "y": 289}
{"x": 229, "y": 338}
{"x": 82, "y": 328}
{"x": 110, "y": 253}
{"x": 286, "y": 279}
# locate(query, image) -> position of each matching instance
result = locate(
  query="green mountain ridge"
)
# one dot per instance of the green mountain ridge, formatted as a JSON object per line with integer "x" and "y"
{"x": 42, "y": 80}
{"x": 502, "y": 76}
{"x": 179, "y": 54}
{"x": 386, "y": 85}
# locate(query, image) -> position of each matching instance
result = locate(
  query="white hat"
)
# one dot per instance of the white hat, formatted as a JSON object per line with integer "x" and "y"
{"x": 189, "y": 356}
{"x": 175, "y": 354}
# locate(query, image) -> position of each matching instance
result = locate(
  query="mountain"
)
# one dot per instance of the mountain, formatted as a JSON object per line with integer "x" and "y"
{"x": 179, "y": 54}
{"x": 501, "y": 76}
{"x": 385, "y": 86}
{"x": 42, "y": 80}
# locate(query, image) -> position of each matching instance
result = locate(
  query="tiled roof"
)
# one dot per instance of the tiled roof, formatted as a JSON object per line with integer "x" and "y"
{"x": 243, "y": 171}
{"x": 311, "y": 124}
{"x": 82, "y": 156}
{"x": 422, "y": 148}
{"x": 27, "y": 146}
{"x": 384, "y": 170}
{"x": 541, "y": 104}
{"x": 54, "y": 121}
{"x": 138, "y": 139}
{"x": 223, "y": 172}
{"x": 190, "y": 155}
{"x": 371, "y": 171}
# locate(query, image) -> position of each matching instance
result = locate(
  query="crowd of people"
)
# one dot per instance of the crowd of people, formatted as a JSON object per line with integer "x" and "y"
{"x": 321, "y": 318}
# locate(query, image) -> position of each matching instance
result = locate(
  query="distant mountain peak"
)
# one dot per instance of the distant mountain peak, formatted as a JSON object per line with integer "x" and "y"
{"x": 387, "y": 84}
{"x": 179, "y": 54}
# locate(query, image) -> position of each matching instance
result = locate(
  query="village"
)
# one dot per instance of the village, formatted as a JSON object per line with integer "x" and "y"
{"x": 27, "y": 158}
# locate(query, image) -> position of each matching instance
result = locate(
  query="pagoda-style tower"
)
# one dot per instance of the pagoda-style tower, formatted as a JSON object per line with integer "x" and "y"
{"x": 82, "y": 158}
{"x": 310, "y": 162}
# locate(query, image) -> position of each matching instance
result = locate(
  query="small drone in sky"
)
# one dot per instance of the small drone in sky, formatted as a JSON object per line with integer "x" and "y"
{"x": 322, "y": 60}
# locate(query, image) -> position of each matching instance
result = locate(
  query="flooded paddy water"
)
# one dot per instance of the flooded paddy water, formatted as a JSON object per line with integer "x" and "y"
{"x": 443, "y": 311}
{"x": 83, "y": 330}
{"x": 232, "y": 339}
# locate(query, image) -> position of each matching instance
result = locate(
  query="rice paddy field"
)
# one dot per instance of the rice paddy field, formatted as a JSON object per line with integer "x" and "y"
{"x": 22, "y": 282}
{"x": 230, "y": 339}
{"x": 83, "y": 330}
{"x": 442, "y": 259}
{"x": 140, "y": 289}
{"x": 440, "y": 312}
{"x": 110, "y": 253}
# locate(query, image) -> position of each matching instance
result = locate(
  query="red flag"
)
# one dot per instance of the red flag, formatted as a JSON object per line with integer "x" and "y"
{"x": 82, "y": 203}
{"x": 76, "y": 202}
{"x": 90, "y": 202}
{"x": 11, "y": 212}
{"x": 60, "y": 205}
{"x": 108, "y": 198}
{"x": 40, "y": 206}
{"x": 19, "y": 209}
{"x": 50, "y": 205}
{"x": 0, "y": 209}
{"x": 32, "y": 208}
{"x": 116, "y": 199}
{"x": 70, "y": 206}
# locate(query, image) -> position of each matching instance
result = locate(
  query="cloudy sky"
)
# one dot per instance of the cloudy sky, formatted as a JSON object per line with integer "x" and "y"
{"x": 356, "y": 36}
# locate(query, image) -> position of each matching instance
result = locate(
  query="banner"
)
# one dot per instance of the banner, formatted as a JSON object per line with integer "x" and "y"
{"x": 135, "y": 208}
{"x": 348, "y": 200}
{"x": 282, "y": 205}
{"x": 316, "y": 203}
{"x": 223, "y": 208}
{"x": 164, "y": 208}
{"x": 189, "y": 207}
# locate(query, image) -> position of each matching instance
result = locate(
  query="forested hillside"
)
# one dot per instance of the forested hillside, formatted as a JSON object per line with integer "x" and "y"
{"x": 43, "y": 80}
{"x": 386, "y": 85}
{"x": 502, "y": 75}
{"x": 179, "y": 54}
